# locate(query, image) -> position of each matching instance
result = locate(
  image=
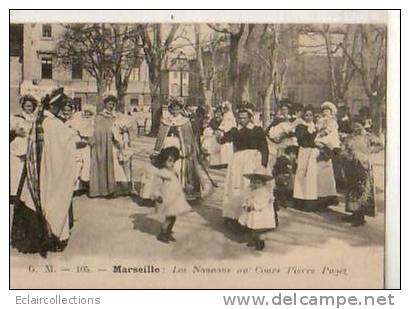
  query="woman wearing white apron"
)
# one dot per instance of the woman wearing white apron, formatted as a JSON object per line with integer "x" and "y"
{"x": 250, "y": 151}
{"x": 305, "y": 190}
{"x": 327, "y": 140}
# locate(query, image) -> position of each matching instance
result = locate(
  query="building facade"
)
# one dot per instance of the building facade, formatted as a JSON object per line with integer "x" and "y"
{"x": 40, "y": 71}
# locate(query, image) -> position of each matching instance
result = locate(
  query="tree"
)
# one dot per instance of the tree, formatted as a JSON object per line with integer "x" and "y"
{"x": 370, "y": 64}
{"x": 108, "y": 52}
{"x": 155, "y": 50}
{"x": 88, "y": 44}
{"x": 240, "y": 39}
{"x": 126, "y": 56}
{"x": 205, "y": 47}
{"x": 341, "y": 69}
{"x": 270, "y": 65}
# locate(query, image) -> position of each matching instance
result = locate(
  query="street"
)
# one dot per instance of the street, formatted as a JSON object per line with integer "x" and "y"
{"x": 109, "y": 231}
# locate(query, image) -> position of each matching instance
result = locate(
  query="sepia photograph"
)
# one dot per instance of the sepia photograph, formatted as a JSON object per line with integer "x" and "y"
{"x": 198, "y": 155}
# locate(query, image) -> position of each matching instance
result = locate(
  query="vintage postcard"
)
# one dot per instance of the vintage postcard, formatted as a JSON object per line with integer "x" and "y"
{"x": 211, "y": 154}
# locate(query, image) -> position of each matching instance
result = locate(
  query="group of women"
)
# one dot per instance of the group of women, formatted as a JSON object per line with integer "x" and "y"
{"x": 54, "y": 152}
{"x": 314, "y": 185}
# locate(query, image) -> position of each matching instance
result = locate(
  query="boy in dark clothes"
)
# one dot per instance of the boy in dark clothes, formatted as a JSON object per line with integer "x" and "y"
{"x": 284, "y": 171}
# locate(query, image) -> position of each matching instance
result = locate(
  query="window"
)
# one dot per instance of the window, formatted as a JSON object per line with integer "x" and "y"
{"x": 134, "y": 102}
{"x": 77, "y": 103}
{"x": 135, "y": 74}
{"x": 46, "y": 68}
{"x": 77, "y": 69}
{"x": 46, "y": 31}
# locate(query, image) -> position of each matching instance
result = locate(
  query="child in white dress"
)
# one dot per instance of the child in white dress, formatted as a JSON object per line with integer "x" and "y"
{"x": 328, "y": 135}
{"x": 170, "y": 197}
{"x": 258, "y": 214}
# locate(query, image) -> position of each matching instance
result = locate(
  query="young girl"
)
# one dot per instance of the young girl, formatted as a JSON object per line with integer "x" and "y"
{"x": 170, "y": 197}
{"x": 258, "y": 214}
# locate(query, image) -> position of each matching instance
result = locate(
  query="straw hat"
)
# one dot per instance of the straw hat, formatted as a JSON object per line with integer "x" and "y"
{"x": 259, "y": 172}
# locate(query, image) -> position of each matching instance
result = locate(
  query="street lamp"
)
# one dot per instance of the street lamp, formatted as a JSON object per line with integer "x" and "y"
{"x": 181, "y": 62}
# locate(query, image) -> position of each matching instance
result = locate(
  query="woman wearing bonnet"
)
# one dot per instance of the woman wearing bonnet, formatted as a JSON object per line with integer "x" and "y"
{"x": 176, "y": 131}
{"x": 107, "y": 175}
{"x": 20, "y": 126}
{"x": 250, "y": 151}
{"x": 305, "y": 190}
{"x": 41, "y": 220}
{"x": 328, "y": 142}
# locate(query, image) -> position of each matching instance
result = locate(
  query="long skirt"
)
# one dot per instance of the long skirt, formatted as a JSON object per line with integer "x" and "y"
{"x": 360, "y": 188}
{"x": 242, "y": 162}
{"x": 16, "y": 168}
{"x": 306, "y": 184}
{"x": 189, "y": 176}
{"x": 29, "y": 234}
{"x": 226, "y": 153}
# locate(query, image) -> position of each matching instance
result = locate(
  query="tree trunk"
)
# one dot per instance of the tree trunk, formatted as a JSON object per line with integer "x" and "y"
{"x": 206, "y": 96}
{"x": 100, "y": 94}
{"x": 121, "y": 87}
{"x": 156, "y": 113}
{"x": 156, "y": 100}
{"x": 242, "y": 90}
{"x": 266, "y": 105}
{"x": 375, "y": 103}
{"x": 232, "y": 95}
{"x": 121, "y": 99}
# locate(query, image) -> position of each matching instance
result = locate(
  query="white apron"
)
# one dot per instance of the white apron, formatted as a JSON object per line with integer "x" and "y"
{"x": 306, "y": 186}
{"x": 242, "y": 162}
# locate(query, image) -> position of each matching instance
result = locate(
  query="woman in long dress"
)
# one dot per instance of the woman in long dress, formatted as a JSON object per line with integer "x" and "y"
{"x": 20, "y": 125}
{"x": 176, "y": 131}
{"x": 305, "y": 191}
{"x": 358, "y": 171}
{"x": 328, "y": 142}
{"x": 250, "y": 152}
{"x": 107, "y": 175}
{"x": 41, "y": 220}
